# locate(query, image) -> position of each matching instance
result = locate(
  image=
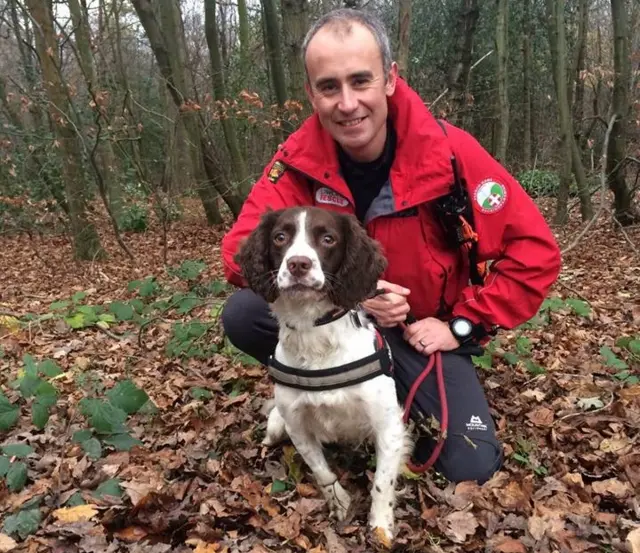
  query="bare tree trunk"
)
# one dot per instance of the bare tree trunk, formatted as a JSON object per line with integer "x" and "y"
{"x": 526, "y": 89}
{"x": 459, "y": 74}
{"x": 502, "y": 137}
{"x": 616, "y": 151}
{"x": 294, "y": 28}
{"x": 569, "y": 153}
{"x": 240, "y": 172}
{"x": 106, "y": 159}
{"x": 274, "y": 55}
{"x": 85, "y": 237}
{"x": 176, "y": 85}
{"x": 404, "y": 37}
{"x": 577, "y": 69}
{"x": 243, "y": 35}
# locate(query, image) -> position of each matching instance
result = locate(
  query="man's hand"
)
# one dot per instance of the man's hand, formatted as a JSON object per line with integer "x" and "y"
{"x": 391, "y": 308}
{"x": 430, "y": 335}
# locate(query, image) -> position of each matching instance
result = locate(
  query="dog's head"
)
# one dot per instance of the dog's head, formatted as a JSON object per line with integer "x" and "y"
{"x": 313, "y": 253}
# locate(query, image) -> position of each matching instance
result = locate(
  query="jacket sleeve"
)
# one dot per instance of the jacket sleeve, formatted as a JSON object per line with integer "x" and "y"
{"x": 288, "y": 190}
{"x": 512, "y": 234}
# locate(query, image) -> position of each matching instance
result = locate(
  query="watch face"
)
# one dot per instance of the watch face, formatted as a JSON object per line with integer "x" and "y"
{"x": 462, "y": 327}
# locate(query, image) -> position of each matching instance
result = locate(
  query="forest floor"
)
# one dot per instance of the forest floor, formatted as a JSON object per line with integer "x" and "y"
{"x": 128, "y": 424}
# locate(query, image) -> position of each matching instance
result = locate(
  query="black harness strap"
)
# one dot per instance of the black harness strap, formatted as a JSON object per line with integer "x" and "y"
{"x": 349, "y": 374}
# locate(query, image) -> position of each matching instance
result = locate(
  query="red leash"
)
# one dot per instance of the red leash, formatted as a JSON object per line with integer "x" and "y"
{"x": 435, "y": 360}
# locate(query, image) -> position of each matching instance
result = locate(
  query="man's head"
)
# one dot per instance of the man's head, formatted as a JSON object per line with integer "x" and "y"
{"x": 350, "y": 74}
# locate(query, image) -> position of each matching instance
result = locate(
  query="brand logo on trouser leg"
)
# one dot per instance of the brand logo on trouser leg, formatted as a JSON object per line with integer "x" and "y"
{"x": 475, "y": 423}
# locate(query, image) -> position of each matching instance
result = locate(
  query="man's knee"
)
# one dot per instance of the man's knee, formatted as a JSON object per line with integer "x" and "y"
{"x": 476, "y": 462}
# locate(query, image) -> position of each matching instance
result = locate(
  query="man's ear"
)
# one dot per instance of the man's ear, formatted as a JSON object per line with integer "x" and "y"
{"x": 392, "y": 79}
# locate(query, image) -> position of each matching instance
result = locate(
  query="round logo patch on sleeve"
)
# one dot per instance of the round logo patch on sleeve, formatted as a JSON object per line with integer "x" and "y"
{"x": 491, "y": 196}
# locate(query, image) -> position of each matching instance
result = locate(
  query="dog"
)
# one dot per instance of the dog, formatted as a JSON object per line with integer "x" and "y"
{"x": 311, "y": 265}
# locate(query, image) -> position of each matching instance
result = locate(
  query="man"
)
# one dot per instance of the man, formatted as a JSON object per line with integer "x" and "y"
{"x": 373, "y": 149}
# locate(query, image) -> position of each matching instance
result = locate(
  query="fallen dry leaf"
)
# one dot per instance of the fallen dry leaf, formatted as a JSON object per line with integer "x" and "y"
{"x": 505, "y": 544}
{"x": 633, "y": 540}
{"x": 541, "y": 416}
{"x": 81, "y": 513}
{"x": 131, "y": 534}
{"x": 8, "y": 544}
{"x": 382, "y": 538}
{"x": 613, "y": 487}
{"x": 335, "y": 544}
{"x": 459, "y": 525}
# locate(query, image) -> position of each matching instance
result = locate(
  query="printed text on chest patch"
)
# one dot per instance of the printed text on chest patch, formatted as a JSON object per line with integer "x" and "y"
{"x": 325, "y": 195}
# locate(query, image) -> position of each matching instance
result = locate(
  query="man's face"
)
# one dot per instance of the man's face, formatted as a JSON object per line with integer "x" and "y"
{"x": 348, "y": 89}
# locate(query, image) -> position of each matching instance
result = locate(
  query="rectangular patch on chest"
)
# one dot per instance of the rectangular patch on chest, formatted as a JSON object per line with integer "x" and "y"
{"x": 325, "y": 195}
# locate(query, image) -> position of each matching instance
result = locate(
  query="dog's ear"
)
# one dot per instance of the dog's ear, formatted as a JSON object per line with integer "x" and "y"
{"x": 254, "y": 258}
{"x": 362, "y": 266}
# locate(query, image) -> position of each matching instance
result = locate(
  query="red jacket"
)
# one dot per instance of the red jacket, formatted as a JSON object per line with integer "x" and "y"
{"x": 512, "y": 232}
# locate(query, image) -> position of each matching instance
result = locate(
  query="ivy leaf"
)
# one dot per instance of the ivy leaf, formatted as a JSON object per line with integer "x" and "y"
{"x": 49, "y": 368}
{"x": 103, "y": 416}
{"x": 23, "y": 523}
{"x": 634, "y": 347}
{"x": 16, "y": 476}
{"x": 122, "y": 311}
{"x": 127, "y": 396}
{"x": 81, "y": 436}
{"x": 611, "y": 359}
{"x": 28, "y": 385}
{"x": 278, "y": 486}
{"x": 9, "y": 413}
{"x": 92, "y": 448}
{"x": 122, "y": 442}
{"x": 5, "y": 464}
{"x": 17, "y": 450}
{"x": 579, "y": 307}
{"x": 484, "y": 361}
{"x": 40, "y": 414}
{"x": 109, "y": 487}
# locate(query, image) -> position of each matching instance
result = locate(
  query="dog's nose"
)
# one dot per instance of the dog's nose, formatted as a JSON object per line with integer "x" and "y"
{"x": 299, "y": 265}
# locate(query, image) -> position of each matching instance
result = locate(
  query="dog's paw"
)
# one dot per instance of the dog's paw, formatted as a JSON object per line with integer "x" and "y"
{"x": 276, "y": 430}
{"x": 338, "y": 499}
{"x": 383, "y": 536}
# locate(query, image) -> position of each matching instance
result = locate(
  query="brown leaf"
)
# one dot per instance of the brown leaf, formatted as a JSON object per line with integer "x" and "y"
{"x": 286, "y": 526}
{"x": 8, "y": 544}
{"x": 80, "y": 513}
{"x": 541, "y": 416}
{"x": 537, "y": 527}
{"x": 505, "y": 544}
{"x": 613, "y": 487}
{"x": 512, "y": 497}
{"x": 459, "y": 525}
{"x": 335, "y": 544}
{"x": 633, "y": 540}
{"x": 131, "y": 534}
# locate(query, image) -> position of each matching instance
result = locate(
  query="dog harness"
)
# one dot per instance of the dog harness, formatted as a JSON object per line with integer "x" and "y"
{"x": 349, "y": 374}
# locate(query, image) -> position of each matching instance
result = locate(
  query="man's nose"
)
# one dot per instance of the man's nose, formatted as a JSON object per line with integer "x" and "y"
{"x": 348, "y": 100}
{"x": 299, "y": 265}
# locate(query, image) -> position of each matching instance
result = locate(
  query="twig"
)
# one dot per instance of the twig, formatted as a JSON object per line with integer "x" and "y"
{"x": 603, "y": 188}
{"x": 444, "y": 92}
{"x": 624, "y": 233}
{"x": 569, "y": 415}
{"x": 573, "y": 291}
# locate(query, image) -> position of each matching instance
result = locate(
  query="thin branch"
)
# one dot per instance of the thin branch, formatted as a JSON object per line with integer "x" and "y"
{"x": 603, "y": 188}
{"x": 624, "y": 233}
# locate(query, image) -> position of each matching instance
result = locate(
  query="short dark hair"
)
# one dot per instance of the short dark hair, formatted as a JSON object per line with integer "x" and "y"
{"x": 344, "y": 17}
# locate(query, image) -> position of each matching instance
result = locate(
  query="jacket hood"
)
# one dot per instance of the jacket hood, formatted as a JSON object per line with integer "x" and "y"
{"x": 421, "y": 170}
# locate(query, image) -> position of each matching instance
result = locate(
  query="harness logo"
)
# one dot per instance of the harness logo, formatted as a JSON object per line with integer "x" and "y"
{"x": 325, "y": 195}
{"x": 491, "y": 196}
{"x": 475, "y": 423}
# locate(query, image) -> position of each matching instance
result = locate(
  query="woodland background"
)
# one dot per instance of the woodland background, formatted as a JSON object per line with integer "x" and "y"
{"x": 131, "y": 132}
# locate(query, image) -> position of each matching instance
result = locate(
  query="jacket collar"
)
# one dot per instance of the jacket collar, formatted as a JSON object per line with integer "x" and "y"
{"x": 421, "y": 170}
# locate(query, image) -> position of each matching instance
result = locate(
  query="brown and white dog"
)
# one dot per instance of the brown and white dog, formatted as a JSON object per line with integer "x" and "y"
{"x": 307, "y": 262}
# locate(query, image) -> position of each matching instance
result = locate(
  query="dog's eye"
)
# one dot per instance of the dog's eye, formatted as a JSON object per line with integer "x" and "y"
{"x": 279, "y": 238}
{"x": 328, "y": 240}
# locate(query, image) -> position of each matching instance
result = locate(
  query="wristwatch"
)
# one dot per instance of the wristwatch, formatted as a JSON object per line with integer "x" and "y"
{"x": 462, "y": 329}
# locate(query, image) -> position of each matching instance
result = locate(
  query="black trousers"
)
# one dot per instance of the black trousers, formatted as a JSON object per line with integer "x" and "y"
{"x": 471, "y": 450}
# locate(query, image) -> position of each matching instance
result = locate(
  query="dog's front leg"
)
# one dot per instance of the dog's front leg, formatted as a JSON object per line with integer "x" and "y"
{"x": 391, "y": 448}
{"x": 311, "y": 451}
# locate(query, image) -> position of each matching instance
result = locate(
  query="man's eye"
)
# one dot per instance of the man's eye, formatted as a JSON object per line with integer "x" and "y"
{"x": 328, "y": 240}
{"x": 280, "y": 238}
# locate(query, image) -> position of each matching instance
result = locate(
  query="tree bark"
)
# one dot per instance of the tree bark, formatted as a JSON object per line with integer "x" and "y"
{"x": 294, "y": 28}
{"x": 240, "y": 172}
{"x": 459, "y": 74}
{"x": 569, "y": 152}
{"x": 502, "y": 135}
{"x": 404, "y": 37}
{"x": 175, "y": 80}
{"x": 274, "y": 56}
{"x": 85, "y": 237}
{"x": 527, "y": 141}
{"x": 243, "y": 35}
{"x": 578, "y": 68}
{"x": 106, "y": 160}
{"x": 616, "y": 150}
